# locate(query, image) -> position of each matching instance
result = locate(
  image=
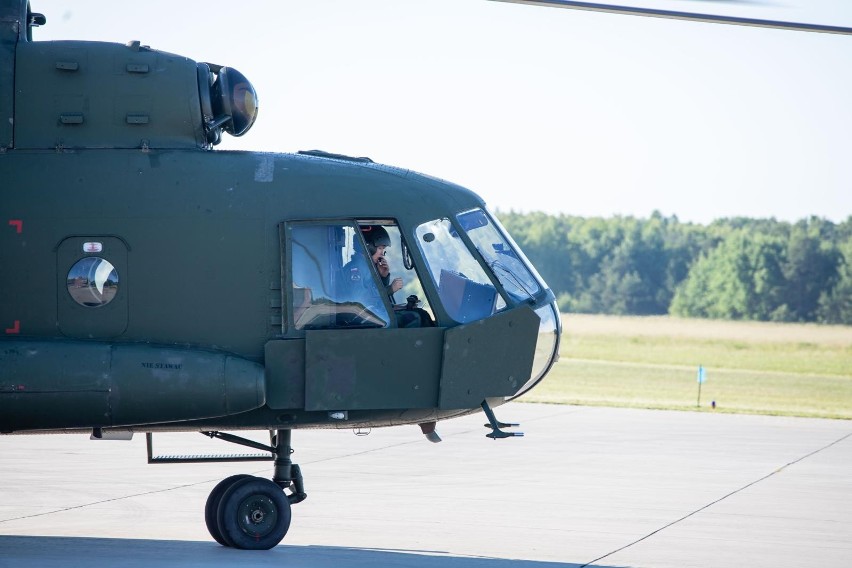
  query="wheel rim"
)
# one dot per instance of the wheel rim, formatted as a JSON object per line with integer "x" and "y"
{"x": 257, "y": 516}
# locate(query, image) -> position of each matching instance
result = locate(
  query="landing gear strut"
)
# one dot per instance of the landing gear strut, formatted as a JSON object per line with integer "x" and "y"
{"x": 250, "y": 512}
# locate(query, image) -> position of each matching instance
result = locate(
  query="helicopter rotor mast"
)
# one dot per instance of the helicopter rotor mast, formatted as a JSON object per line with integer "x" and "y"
{"x": 689, "y": 16}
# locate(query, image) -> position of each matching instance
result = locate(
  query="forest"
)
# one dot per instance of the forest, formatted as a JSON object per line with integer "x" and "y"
{"x": 734, "y": 268}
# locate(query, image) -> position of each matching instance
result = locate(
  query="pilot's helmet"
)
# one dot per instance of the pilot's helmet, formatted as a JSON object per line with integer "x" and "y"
{"x": 375, "y": 236}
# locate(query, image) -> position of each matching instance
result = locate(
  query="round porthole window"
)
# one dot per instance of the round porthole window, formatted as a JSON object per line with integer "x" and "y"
{"x": 92, "y": 282}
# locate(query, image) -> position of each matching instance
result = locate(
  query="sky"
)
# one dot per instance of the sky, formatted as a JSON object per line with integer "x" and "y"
{"x": 533, "y": 108}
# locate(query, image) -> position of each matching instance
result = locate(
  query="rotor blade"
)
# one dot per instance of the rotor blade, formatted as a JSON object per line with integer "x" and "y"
{"x": 711, "y": 18}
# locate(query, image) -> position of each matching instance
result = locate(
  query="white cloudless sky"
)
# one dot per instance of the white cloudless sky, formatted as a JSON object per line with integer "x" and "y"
{"x": 534, "y": 108}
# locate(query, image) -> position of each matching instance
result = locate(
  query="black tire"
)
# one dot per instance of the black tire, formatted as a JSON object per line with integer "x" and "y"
{"x": 254, "y": 514}
{"x": 211, "y": 509}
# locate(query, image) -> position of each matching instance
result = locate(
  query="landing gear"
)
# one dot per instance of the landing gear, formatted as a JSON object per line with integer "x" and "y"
{"x": 253, "y": 514}
{"x": 250, "y": 512}
{"x": 495, "y": 424}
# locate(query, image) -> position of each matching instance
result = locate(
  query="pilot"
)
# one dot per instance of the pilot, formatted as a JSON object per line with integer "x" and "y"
{"x": 378, "y": 241}
{"x": 359, "y": 283}
{"x": 408, "y": 314}
{"x": 356, "y": 272}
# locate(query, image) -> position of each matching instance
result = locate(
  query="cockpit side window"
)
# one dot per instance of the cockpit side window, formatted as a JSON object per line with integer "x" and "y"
{"x": 331, "y": 289}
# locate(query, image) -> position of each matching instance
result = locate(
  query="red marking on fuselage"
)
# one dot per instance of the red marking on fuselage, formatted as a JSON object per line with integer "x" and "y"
{"x": 18, "y": 224}
{"x": 14, "y": 329}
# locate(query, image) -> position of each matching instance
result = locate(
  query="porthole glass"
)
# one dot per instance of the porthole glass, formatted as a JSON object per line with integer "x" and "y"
{"x": 92, "y": 282}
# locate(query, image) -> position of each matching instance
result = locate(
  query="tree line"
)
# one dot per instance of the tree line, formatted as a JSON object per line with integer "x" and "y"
{"x": 736, "y": 268}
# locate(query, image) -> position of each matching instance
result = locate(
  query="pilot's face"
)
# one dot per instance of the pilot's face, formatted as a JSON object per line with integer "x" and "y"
{"x": 380, "y": 261}
{"x": 379, "y": 254}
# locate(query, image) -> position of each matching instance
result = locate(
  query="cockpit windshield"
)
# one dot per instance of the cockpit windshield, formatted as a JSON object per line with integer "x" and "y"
{"x": 501, "y": 254}
{"x": 466, "y": 292}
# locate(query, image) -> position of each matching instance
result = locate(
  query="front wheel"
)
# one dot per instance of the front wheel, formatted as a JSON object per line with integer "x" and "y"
{"x": 253, "y": 514}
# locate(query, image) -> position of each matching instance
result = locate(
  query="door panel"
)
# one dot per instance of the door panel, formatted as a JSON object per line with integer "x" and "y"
{"x": 372, "y": 368}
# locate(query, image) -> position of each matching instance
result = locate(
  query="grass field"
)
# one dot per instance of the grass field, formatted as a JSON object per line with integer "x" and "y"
{"x": 750, "y": 367}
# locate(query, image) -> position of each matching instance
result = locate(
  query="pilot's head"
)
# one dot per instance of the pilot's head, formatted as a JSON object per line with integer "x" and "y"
{"x": 377, "y": 240}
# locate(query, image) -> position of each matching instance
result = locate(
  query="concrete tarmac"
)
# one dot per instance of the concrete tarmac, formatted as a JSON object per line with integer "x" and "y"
{"x": 597, "y": 487}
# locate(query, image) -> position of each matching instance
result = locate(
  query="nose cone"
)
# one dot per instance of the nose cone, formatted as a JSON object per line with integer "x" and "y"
{"x": 547, "y": 345}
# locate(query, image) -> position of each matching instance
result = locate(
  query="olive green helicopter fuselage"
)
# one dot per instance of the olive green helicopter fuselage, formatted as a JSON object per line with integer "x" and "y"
{"x": 151, "y": 283}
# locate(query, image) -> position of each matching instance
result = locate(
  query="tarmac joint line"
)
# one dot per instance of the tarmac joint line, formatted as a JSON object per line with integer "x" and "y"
{"x": 719, "y": 500}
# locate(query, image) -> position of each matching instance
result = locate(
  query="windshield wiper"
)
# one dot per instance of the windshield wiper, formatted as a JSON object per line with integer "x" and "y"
{"x": 496, "y": 264}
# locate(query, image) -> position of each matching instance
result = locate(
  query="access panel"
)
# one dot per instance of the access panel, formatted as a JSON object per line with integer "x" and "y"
{"x": 372, "y": 368}
{"x": 490, "y": 357}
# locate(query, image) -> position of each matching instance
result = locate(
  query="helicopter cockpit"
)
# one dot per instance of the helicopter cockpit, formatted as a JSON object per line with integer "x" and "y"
{"x": 479, "y": 270}
{"x": 462, "y": 270}
{"x": 470, "y": 291}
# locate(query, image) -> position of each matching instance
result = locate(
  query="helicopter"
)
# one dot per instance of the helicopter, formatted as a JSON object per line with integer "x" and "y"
{"x": 153, "y": 283}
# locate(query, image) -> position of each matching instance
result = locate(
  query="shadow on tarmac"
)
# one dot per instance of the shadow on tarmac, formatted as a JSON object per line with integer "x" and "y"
{"x": 74, "y": 552}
